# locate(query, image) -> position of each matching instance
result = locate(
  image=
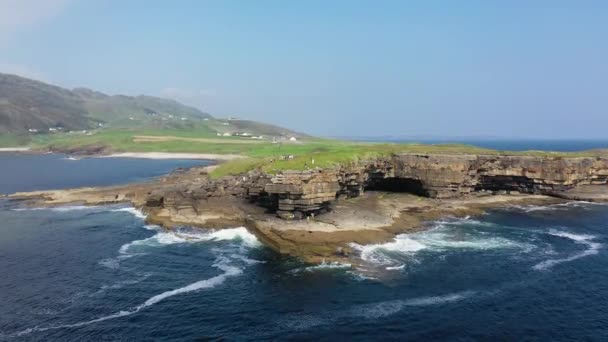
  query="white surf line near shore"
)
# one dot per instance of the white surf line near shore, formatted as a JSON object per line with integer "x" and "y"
{"x": 14, "y": 149}
{"x": 587, "y": 240}
{"x": 558, "y": 206}
{"x": 64, "y": 208}
{"x": 168, "y": 155}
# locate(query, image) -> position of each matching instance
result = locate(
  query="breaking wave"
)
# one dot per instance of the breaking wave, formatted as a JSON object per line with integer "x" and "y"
{"x": 592, "y": 248}
{"x": 324, "y": 266}
{"x": 445, "y": 235}
{"x": 170, "y": 237}
{"x": 183, "y": 235}
{"x": 135, "y": 212}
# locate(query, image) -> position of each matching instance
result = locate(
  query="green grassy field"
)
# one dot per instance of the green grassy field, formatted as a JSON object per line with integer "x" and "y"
{"x": 262, "y": 154}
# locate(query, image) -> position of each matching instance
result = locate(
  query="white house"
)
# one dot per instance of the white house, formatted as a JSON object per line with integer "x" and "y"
{"x": 293, "y": 139}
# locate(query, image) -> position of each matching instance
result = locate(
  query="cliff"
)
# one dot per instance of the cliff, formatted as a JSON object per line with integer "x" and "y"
{"x": 316, "y": 214}
{"x": 295, "y": 194}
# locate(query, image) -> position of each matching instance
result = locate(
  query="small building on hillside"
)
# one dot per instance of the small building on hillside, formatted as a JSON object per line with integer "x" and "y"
{"x": 293, "y": 139}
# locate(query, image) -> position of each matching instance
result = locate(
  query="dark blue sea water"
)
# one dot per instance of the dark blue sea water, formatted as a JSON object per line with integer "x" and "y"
{"x": 101, "y": 273}
{"x": 29, "y": 172}
{"x": 511, "y": 144}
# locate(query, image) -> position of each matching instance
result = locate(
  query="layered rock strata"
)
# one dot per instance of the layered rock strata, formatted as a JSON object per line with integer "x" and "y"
{"x": 294, "y": 194}
{"x": 340, "y": 204}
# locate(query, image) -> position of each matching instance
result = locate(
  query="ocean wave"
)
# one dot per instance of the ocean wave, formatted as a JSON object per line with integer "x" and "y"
{"x": 394, "y": 268}
{"x": 121, "y": 284}
{"x": 377, "y": 253}
{"x": 178, "y": 236}
{"x": 222, "y": 263}
{"x": 324, "y": 266}
{"x": 170, "y": 237}
{"x": 371, "y": 311}
{"x": 583, "y": 239}
{"x": 133, "y": 211}
{"x": 388, "y": 308}
{"x": 247, "y": 260}
{"x": 445, "y": 235}
{"x": 558, "y": 206}
{"x": 64, "y": 208}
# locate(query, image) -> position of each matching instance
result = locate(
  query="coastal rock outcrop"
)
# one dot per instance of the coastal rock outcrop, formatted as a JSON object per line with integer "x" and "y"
{"x": 295, "y": 194}
{"x": 365, "y": 202}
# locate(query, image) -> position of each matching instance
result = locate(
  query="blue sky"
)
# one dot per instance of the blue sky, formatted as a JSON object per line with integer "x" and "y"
{"x": 533, "y": 69}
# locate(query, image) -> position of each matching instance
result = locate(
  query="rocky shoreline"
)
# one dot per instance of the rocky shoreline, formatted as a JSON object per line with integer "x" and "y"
{"x": 316, "y": 214}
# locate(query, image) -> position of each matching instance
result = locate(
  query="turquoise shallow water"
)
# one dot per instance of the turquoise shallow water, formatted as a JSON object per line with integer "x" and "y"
{"x": 99, "y": 273}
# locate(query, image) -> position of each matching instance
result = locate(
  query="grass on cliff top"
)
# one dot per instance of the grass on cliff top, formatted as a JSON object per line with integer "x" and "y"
{"x": 263, "y": 155}
{"x": 328, "y": 154}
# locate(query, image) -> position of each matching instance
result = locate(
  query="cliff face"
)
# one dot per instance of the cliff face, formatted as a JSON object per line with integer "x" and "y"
{"x": 295, "y": 193}
{"x": 450, "y": 175}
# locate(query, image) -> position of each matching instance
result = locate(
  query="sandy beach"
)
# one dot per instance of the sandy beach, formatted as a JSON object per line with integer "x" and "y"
{"x": 168, "y": 155}
{"x": 14, "y": 149}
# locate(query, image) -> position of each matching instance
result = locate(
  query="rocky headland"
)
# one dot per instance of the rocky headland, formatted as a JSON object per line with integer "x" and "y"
{"x": 315, "y": 214}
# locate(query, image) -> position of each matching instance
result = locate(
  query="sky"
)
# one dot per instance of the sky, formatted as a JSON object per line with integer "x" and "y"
{"x": 511, "y": 69}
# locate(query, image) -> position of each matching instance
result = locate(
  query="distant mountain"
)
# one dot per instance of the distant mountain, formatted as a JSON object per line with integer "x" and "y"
{"x": 26, "y": 104}
{"x": 29, "y": 106}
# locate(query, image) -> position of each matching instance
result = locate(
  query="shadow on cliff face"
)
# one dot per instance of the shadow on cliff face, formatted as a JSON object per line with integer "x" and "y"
{"x": 401, "y": 185}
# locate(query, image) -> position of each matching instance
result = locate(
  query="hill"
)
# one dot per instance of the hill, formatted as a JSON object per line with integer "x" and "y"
{"x": 28, "y": 107}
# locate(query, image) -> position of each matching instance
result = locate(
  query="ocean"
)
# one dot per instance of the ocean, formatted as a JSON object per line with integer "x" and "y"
{"x": 508, "y": 144}
{"x": 101, "y": 273}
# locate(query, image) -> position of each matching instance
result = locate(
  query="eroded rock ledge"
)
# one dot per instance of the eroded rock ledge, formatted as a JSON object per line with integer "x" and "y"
{"x": 296, "y": 194}
{"x": 315, "y": 214}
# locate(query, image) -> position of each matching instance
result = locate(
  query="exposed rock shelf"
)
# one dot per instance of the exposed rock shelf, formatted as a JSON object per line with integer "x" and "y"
{"x": 315, "y": 214}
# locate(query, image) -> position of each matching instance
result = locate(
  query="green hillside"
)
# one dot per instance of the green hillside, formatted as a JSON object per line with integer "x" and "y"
{"x": 30, "y": 108}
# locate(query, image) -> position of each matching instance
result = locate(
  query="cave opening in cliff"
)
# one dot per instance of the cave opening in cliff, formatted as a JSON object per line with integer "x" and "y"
{"x": 506, "y": 183}
{"x": 404, "y": 185}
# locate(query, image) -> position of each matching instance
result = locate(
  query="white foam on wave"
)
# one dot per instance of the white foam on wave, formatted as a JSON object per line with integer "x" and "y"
{"x": 558, "y": 206}
{"x": 388, "y": 308}
{"x": 583, "y": 239}
{"x": 64, "y": 208}
{"x": 376, "y": 253}
{"x": 221, "y": 263}
{"x": 444, "y": 236}
{"x": 120, "y": 284}
{"x": 247, "y": 260}
{"x": 135, "y": 212}
{"x": 324, "y": 266}
{"x": 171, "y": 237}
{"x": 395, "y": 268}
